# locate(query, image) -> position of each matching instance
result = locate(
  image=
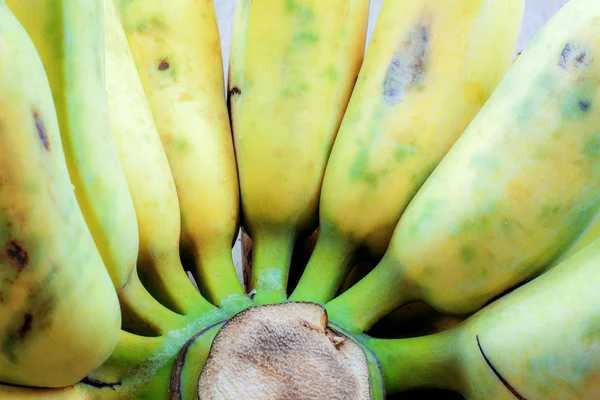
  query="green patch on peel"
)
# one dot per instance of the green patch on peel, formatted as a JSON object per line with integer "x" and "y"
{"x": 305, "y": 38}
{"x": 424, "y": 214}
{"x": 182, "y": 145}
{"x": 332, "y": 73}
{"x": 591, "y": 146}
{"x": 303, "y": 12}
{"x": 467, "y": 253}
{"x": 577, "y": 104}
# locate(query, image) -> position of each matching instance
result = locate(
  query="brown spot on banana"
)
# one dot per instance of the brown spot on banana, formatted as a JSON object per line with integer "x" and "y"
{"x": 41, "y": 131}
{"x": 498, "y": 375}
{"x": 409, "y": 64}
{"x": 163, "y": 64}
{"x": 17, "y": 255}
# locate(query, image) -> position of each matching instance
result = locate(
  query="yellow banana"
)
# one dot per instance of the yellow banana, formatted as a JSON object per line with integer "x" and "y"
{"x": 292, "y": 68}
{"x": 59, "y": 314}
{"x": 430, "y": 68}
{"x": 69, "y": 37}
{"x": 540, "y": 341}
{"x": 519, "y": 186}
{"x": 176, "y": 48}
{"x": 148, "y": 175}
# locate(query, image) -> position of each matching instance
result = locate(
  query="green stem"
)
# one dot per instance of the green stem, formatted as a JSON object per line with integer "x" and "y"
{"x": 167, "y": 281}
{"x": 422, "y": 362}
{"x": 271, "y": 256}
{"x": 142, "y": 313}
{"x": 326, "y": 269}
{"x": 215, "y": 273}
{"x": 379, "y": 293}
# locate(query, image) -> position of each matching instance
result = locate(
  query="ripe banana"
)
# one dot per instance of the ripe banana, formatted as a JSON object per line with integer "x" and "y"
{"x": 541, "y": 341}
{"x": 148, "y": 175}
{"x": 59, "y": 313}
{"x": 69, "y": 36}
{"x": 292, "y": 68}
{"x": 430, "y": 68}
{"x": 517, "y": 189}
{"x": 176, "y": 48}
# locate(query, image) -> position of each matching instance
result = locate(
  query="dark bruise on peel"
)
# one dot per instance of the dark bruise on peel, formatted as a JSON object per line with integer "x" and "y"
{"x": 25, "y": 327}
{"x": 408, "y": 66}
{"x": 17, "y": 254}
{"x": 572, "y": 57}
{"x": 495, "y": 371}
{"x": 163, "y": 64}
{"x": 584, "y": 105}
{"x": 99, "y": 384}
{"x": 41, "y": 131}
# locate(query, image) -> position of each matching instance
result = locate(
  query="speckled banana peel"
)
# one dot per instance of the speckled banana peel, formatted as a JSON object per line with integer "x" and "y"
{"x": 295, "y": 61}
{"x": 430, "y": 67}
{"x": 177, "y": 52}
{"x": 52, "y": 278}
{"x": 517, "y": 189}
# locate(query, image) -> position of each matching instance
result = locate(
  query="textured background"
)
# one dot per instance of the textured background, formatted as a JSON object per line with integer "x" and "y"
{"x": 537, "y": 12}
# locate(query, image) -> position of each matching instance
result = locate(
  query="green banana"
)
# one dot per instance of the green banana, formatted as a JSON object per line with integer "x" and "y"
{"x": 430, "y": 68}
{"x": 59, "y": 313}
{"x": 178, "y": 57}
{"x": 148, "y": 175}
{"x": 541, "y": 341}
{"x": 517, "y": 188}
{"x": 292, "y": 68}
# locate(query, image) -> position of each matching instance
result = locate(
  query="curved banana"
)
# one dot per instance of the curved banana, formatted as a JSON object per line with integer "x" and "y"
{"x": 148, "y": 175}
{"x": 69, "y": 36}
{"x": 177, "y": 52}
{"x": 430, "y": 68}
{"x": 59, "y": 313}
{"x": 292, "y": 68}
{"x": 541, "y": 341}
{"x": 517, "y": 189}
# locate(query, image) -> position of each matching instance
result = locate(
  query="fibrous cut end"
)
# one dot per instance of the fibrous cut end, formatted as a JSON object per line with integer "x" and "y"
{"x": 284, "y": 351}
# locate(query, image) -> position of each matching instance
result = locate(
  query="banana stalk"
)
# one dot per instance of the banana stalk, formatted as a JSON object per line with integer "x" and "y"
{"x": 292, "y": 68}
{"x": 429, "y": 70}
{"x": 517, "y": 189}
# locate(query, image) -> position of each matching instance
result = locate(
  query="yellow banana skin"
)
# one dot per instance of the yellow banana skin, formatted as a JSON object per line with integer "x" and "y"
{"x": 295, "y": 62}
{"x": 517, "y": 189}
{"x": 59, "y": 313}
{"x": 429, "y": 69}
{"x": 76, "y": 392}
{"x": 148, "y": 174}
{"x": 176, "y": 48}
{"x": 69, "y": 38}
{"x": 541, "y": 341}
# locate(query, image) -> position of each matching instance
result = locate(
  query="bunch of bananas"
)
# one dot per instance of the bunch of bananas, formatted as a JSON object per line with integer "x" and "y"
{"x": 429, "y": 176}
